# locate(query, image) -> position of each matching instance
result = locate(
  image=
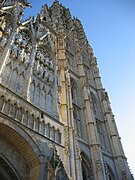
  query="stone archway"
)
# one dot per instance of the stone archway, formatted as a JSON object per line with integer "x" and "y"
{"x": 87, "y": 171}
{"x": 20, "y": 151}
{"x": 7, "y": 172}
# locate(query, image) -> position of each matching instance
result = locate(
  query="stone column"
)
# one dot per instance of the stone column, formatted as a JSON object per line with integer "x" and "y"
{"x": 30, "y": 72}
{"x": 74, "y": 145}
{"x": 94, "y": 144}
{"x": 116, "y": 146}
{"x": 6, "y": 52}
{"x": 66, "y": 110}
{"x": 55, "y": 102}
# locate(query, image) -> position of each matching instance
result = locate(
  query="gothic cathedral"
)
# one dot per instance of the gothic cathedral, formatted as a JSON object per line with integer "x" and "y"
{"x": 56, "y": 122}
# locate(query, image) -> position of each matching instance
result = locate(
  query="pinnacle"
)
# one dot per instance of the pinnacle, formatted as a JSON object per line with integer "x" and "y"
{"x": 56, "y": 2}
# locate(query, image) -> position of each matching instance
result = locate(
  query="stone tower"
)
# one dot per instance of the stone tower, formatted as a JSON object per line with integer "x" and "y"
{"x": 55, "y": 116}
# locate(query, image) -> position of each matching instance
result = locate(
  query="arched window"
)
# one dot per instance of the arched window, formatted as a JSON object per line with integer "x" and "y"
{"x": 13, "y": 79}
{"x": 87, "y": 171}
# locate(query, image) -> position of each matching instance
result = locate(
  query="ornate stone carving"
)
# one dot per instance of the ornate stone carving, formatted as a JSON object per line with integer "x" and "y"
{"x": 6, "y": 4}
{"x": 5, "y": 35}
{"x": 56, "y": 166}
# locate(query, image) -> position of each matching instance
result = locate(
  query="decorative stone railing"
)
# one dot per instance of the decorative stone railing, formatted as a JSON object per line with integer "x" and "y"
{"x": 29, "y": 116}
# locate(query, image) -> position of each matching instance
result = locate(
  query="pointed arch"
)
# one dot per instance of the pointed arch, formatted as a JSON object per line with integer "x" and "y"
{"x": 24, "y": 145}
{"x": 87, "y": 171}
{"x": 109, "y": 172}
{"x": 7, "y": 171}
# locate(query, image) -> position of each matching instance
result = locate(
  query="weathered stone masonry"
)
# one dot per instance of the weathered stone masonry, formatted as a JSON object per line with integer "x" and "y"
{"x": 56, "y": 120}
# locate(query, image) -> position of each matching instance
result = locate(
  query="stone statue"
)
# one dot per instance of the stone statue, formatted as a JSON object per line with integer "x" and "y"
{"x": 51, "y": 65}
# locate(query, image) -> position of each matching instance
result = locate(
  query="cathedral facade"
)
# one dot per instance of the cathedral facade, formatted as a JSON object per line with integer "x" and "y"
{"x": 56, "y": 122}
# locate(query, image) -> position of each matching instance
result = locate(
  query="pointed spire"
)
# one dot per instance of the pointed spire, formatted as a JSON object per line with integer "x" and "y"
{"x": 55, "y": 3}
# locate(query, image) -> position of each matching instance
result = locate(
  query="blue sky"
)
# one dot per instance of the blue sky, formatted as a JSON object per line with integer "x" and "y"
{"x": 110, "y": 29}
